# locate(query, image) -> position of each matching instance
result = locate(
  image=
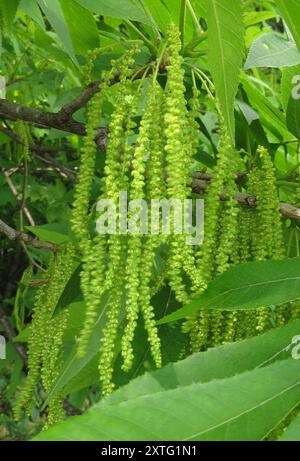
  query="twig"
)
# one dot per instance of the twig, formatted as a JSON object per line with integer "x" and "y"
{"x": 70, "y": 409}
{"x": 200, "y": 186}
{"x": 182, "y": 17}
{"x": 34, "y": 147}
{"x": 12, "y": 111}
{"x": 63, "y": 119}
{"x": 13, "y": 234}
{"x": 17, "y": 195}
{"x": 67, "y": 111}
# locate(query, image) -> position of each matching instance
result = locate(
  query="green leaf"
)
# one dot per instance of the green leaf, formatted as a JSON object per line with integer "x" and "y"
{"x": 82, "y": 27}
{"x": 216, "y": 363}
{"x": 255, "y": 17}
{"x": 54, "y": 233}
{"x": 241, "y": 407}
{"x": 87, "y": 376}
{"x": 293, "y": 116}
{"x": 247, "y": 286}
{"x": 290, "y": 10}
{"x": 292, "y": 432}
{"x": 54, "y": 13}
{"x": 288, "y": 83}
{"x": 73, "y": 364}
{"x": 76, "y": 318}
{"x": 23, "y": 336}
{"x": 31, "y": 8}
{"x": 121, "y": 9}
{"x": 71, "y": 293}
{"x": 225, "y": 53}
{"x": 271, "y": 117}
{"x": 200, "y": 7}
{"x": 159, "y": 13}
{"x": 9, "y": 9}
{"x": 272, "y": 50}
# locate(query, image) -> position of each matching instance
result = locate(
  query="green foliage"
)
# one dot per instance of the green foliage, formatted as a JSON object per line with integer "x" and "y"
{"x": 225, "y": 54}
{"x": 271, "y": 50}
{"x": 161, "y": 99}
{"x": 290, "y": 13}
{"x": 248, "y": 286}
{"x": 196, "y": 382}
{"x": 292, "y": 432}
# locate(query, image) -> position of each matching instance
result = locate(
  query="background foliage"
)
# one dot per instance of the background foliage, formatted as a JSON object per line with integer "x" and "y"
{"x": 247, "y": 54}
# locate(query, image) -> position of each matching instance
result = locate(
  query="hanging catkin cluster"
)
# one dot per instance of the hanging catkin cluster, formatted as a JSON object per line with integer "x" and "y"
{"x": 218, "y": 248}
{"x": 262, "y": 235}
{"x": 46, "y": 336}
{"x": 117, "y": 277}
{"x": 181, "y": 143}
{"x": 238, "y": 234}
{"x": 150, "y": 156}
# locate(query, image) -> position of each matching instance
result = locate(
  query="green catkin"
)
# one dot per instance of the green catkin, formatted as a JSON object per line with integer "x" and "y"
{"x": 117, "y": 173}
{"x": 198, "y": 329}
{"x": 216, "y": 253}
{"x": 156, "y": 186}
{"x": 23, "y": 132}
{"x": 154, "y": 190}
{"x": 191, "y": 145}
{"x": 295, "y": 310}
{"x": 268, "y": 240}
{"x": 206, "y": 255}
{"x": 95, "y": 280}
{"x": 264, "y": 238}
{"x": 244, "y": 226}
{"x": 278, "y": 250}
{"x": 53, "y": 336}
{"x": 145, "y": 300}
{"x": 134, "y": 259}
{"x": 256, "y": 321}
{"x": 116, "y": 178}
{"x": 156, "y": 176}
{"x": 246, "y": 321}
{"x": 35, "y": 343}
{"x": 108, "y": 340}
{"x": 45, "y": 341}
{"x": 87, "y": 166}
{"x": 87, "y": 68}
{"x": 226, "y": 248}
{"x": 88, "y": 155}
{"x": 175, "y": 131}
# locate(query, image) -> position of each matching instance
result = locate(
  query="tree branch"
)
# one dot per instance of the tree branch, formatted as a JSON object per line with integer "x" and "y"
{"x": 63, "y": 119}
{"x": 199, "y": 186}
{"x": 15, "y": 235}
{"x": 16, "y": 194}
{"x": 12, "y": 111}
{"x": 36, "y": 148}
{"x": 67, "y": 111}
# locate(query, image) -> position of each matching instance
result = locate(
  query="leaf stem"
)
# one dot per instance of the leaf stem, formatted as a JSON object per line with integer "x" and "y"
{"x": 159, "y": 60}
{"x": 182, "y": 16}
{"x": 147, "y": 42}
{"x": 150, "y": 17}
{"x": 198, "y": 30}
